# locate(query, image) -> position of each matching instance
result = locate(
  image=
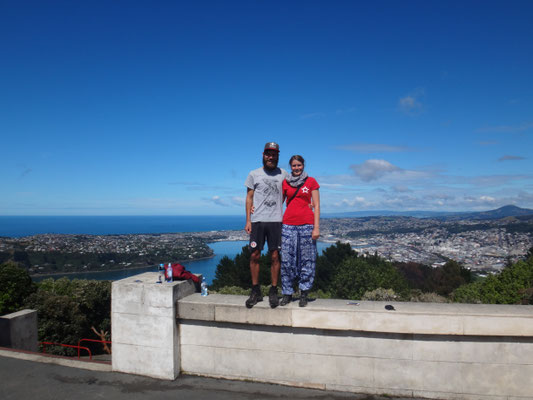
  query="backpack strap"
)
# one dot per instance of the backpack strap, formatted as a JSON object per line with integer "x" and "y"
{"x": 295, "y": 193}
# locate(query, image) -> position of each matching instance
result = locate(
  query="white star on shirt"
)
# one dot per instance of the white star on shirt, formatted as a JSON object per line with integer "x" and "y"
{"x": 305, "y": 189}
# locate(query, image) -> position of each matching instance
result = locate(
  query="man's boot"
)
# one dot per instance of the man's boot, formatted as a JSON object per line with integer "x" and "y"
{"x": 273, "y": 296}
{"x": 255, "y": 296}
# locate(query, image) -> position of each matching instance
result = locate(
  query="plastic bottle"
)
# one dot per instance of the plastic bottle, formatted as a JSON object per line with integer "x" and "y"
{"x": 204, "y": 287}
{"x": 161, "y": 273}
{"x": 168, "y": 273}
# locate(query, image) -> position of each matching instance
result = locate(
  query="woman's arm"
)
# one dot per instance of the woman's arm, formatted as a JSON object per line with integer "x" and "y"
{"x": 315, "y": 197}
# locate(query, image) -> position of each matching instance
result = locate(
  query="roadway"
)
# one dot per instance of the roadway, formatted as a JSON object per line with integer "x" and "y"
{"x": 22, "y": 379}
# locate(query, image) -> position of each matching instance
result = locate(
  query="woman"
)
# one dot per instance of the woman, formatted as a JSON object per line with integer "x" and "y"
{"x": 299, "y": 231}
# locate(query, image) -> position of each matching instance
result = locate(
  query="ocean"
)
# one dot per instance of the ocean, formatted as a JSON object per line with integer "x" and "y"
{"x": 19, "y": 226}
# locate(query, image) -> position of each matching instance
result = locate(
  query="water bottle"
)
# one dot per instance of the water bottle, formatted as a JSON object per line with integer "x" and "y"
{"x": 204, "y": 287}
{"x": 161, "y": 273}
{"x": 168, "y": 273}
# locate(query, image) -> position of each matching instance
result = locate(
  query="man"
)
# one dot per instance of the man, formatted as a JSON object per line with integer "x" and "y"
{"x": 265, "y": 196}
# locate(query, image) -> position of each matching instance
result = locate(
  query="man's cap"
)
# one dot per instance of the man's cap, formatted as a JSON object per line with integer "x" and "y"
{"x": 272, "y": 146}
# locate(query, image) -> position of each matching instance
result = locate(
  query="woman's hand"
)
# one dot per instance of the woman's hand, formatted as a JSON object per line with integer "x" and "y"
{"x": 316, "y": 233}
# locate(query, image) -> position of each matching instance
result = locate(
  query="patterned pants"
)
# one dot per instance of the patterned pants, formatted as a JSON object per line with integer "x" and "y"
{"x": 298, "y": 257}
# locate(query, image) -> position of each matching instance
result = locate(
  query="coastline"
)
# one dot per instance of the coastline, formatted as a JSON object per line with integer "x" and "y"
{"x": 42, "y": 276}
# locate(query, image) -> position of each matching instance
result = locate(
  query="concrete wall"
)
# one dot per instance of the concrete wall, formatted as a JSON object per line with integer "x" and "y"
{"x": 19, "y": 330}
{"x": 144, "y": 330}
{"x": 446, "y": 351}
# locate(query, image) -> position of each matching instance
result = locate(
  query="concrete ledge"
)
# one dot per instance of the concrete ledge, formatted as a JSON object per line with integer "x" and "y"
{"x": 368, "y": 316}
{"x": 451, "y": 351}
{"x": 440, "y": 351}
{"x": 48, "y": 359}
{"x": 143, "y": 320}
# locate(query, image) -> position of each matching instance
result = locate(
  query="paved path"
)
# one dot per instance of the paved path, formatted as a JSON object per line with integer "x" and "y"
{"x": 30, "y": 380}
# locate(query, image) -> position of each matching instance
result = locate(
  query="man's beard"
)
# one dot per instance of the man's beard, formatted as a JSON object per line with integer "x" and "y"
{"x": 270, "y": 168}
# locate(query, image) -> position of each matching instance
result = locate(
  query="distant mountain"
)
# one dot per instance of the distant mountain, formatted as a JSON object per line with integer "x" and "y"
{"x": 388, "y": 213}
{"x": 502, "y": 212}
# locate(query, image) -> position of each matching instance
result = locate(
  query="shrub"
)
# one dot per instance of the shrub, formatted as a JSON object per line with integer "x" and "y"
{"x": 15, "y": 286}
{"x": 510, "y": 286}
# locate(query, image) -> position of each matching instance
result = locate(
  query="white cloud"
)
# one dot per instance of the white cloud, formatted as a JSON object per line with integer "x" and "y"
{"x": 439, "y": 196}
{"x": 313, "y": 115}
{"x": 219, "y": 201}
{"x": 358, "y": 202}
{"x": 511, "y": 158}
{"x": 400, "y": 189}
{"x": 372, "y": 170}
{"x": 480, "y": 200}
{"x": 412, "y": 104}
{"x": 524, "y": 126}
{"x": 239, "y": 201}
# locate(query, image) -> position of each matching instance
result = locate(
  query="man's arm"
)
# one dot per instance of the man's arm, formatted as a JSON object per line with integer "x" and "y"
{"x": 249, "y": 204}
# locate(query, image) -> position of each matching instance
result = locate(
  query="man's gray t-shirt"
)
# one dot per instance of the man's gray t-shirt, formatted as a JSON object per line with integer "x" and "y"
{"x": 268, "y": 198}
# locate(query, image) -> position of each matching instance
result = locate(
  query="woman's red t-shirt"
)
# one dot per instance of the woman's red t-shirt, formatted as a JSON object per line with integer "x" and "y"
{"x": 298, "y": 211}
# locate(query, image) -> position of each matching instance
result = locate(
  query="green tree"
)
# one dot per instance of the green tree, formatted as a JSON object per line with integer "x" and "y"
{"x": 442, "y": 280}
{"x": 507, "y": 287}
{"x": 236, "y": 272}
{"x": 450, "y": 276}
{"x": 328, "y": 263}
{"x": 67, "y": 310}
{"x": 15, "y": 286}
{"x": 357, "y": 275}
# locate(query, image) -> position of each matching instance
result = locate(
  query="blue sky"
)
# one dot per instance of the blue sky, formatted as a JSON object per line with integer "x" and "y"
{"x": 163, "y": 107}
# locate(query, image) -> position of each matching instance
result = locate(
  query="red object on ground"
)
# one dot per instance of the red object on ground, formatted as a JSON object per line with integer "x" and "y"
{"x": 180, "y": 273}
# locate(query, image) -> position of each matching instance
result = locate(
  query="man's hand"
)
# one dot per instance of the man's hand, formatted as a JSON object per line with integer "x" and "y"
{"x": 248, "y": 228}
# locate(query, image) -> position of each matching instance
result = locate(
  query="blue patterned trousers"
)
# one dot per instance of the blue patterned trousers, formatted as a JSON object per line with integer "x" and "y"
{"x": 298, "y": 257}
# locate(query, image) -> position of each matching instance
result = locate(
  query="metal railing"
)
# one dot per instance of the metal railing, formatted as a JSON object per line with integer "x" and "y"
{"x": 44, "y": 344}
{"x": 91, "y": 340}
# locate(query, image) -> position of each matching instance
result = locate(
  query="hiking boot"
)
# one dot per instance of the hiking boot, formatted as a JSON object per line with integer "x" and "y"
{"x": 255, "y": 297}
{"x": 303, "y": 299}
{"x": 273, "y": 297}
{"x": 287, "y": 298}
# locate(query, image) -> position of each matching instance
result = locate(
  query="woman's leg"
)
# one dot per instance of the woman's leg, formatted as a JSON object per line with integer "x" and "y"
{"x": 289, "y": 239}
{"x": 306, "y": 257}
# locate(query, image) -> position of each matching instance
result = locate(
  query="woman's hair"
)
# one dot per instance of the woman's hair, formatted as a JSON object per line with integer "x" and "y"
{"x": 297, "y": 158}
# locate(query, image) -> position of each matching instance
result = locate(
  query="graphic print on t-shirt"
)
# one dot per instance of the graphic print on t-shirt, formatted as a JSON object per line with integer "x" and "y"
{"x": 270, "y": 192}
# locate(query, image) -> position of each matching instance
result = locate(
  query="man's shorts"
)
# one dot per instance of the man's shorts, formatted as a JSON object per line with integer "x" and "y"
{"x": 271, "y": 231}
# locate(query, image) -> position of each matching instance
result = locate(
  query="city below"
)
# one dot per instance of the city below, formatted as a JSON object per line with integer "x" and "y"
{"x": 482, "y": 242}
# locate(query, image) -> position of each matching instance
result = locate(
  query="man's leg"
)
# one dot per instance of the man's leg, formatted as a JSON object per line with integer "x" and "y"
{"x": 254, "y": 266}
{"x": 274, "y": 266}
{"x": 255, "y": 295}
{"x": 274, "y": 273}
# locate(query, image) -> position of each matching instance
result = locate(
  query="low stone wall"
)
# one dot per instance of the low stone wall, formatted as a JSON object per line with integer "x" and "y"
{"x": 19, "y": 330}
{"x": 144, "y": 330}
{"x": 447, "y": 351}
